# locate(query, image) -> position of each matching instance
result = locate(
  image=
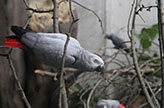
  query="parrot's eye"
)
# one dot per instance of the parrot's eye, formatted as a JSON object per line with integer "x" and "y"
{"x": 96, "y": 61}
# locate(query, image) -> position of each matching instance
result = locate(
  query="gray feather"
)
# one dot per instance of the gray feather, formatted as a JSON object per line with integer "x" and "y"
{"x": 108, "y": 104}
{"x": 49, "y": 48}
{"x": 118, "y": 42}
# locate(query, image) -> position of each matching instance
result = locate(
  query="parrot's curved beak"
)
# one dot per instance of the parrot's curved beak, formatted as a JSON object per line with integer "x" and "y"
{"x": 100, "y": 68}
{"x": 108, "y": 36}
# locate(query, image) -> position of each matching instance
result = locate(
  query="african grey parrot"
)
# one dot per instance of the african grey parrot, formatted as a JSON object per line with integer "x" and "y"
{"x": 49, "y": 48}
{"x": 109, "y": 104}
{"x": 117, "y": 41}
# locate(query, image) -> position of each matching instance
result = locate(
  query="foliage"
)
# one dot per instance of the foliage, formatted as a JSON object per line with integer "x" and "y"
{"x": 147, "y": 35}
{"x": 76, "y": 91}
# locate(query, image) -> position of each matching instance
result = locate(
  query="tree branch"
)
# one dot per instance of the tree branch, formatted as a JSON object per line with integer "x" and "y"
{"x": 46, "y": 73}
{"x": 35, "y": 10}
{"x": 27, "y": 21}
{"x": 63, "y": 94}
{"x": 92, "y": 91}
{"x": 55, "y": 17}
{"x": 73, "y": 18}
{"x": 161, "y": 42}
{"x": 99, "y": 19}
{"x": 39, "y": 11}
{"x": 17, "y": 81}
{"x": 135, "y": 61}
{"x": 153, "y": 95}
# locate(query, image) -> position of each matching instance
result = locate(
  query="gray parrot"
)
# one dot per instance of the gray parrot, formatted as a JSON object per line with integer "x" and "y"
{"x": 108, "y": 104}
{"x": 49, "y": 47}
{"x": 117, "y": 41}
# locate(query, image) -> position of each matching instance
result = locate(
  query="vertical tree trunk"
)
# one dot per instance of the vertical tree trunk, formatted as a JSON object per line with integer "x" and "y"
{"x": 3, "y": 21}
{"x": 12, "y": 12}
{"x": 9, "y": 93}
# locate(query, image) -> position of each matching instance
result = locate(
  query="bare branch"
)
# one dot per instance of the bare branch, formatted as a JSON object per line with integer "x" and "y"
{"x": 73, "y": 18}
{"x": 92, "y": 91}
{"x": 81, "y": 97}
{"x": 26, "y": 3}
{"x": 99, "y": 19}
{"x": 27, "y": 21}
{"x": 135, "y": 61}
{"x": 46, "y": 73}
{"x": 18, "y": 83}
{"x": 129, "y": 19}
{"x": 63, "y": 94}
{"x": 35, "y": 10}
{"x": 39, "y": 11}
{"x": 55, "y": 17}
{"x": 148, "y": 8}
{"x": 161, "y": 42}
{"x": 150, "y": 89}
{"x": 70, "y": 7}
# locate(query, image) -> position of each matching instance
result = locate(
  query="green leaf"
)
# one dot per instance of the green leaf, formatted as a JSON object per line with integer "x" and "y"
{"x": 75, "y": 88}
{"x": 144, "y": 58}
{"x": 158, "y": 74}
{"x": 138, "y": 36}
{"x": 145, "y": 42}
{"x": 147, "y": 35}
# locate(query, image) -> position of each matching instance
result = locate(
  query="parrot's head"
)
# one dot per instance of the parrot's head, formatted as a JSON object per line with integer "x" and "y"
{"x": 97, "y": 63}
{"x": 109, "y": 36}
{"x": 109, "y": 104}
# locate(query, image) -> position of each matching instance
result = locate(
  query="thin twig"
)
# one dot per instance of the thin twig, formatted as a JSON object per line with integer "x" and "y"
{"x": 148, "y": 61}
{"x": 99, "y": 19}
{"x": 70, "y": 8}
{"x": 143, "y": 105}
{"x": 92, "y": 91}
{"x": 18, "y": 83}
{"x": 46, "y": 73}
{"x": 150, "y": 89}
{"x": 73, "y": 18}
{"x": 55, "y": 17}
{"x": 39, "y": 11}
{"x": 105, "y": 25}
{"x": 26, "y": 3}
{"x": 148, "y": 8}
{"x": 5, "y": 55}
{"x": 81, "y": 97}
{"x": 27, "y": 21}
{"x": 35, "y": 10}
{"x": 63, "y": 94}
{"x": 135, "y": 61}
{"x": 161, "y": 42}
{"x": 129, "y": 19}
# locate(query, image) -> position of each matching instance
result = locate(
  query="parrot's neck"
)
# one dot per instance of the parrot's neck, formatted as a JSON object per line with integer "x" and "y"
{"x": 85, "y": 59}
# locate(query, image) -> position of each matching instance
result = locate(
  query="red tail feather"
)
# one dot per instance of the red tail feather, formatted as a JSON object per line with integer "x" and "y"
{"x": 14, "y": 43}
{"x": 122, "y": 106}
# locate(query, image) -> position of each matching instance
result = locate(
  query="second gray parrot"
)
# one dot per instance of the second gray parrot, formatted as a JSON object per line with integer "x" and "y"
{"x": 118, "y": 42}
{"x": 49, "y": 48}
{"x": 108, "y": 104}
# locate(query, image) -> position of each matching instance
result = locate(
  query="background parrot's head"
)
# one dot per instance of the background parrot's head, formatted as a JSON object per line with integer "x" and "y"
{"x": 109, "y": 36}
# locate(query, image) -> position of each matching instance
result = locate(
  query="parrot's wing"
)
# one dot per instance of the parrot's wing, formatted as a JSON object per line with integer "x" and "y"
{"x": 51, "y": 47}
{"x": 118, "y": 42}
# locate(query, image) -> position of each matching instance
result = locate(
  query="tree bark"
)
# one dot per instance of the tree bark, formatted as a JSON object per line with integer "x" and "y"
{"x": 41, "y": 91}
{"x": 9, "y": 94}
{"x": 12, "y": 13}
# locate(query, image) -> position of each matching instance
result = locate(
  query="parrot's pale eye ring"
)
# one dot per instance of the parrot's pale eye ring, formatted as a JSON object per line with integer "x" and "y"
{"x": 96, "y": 61}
